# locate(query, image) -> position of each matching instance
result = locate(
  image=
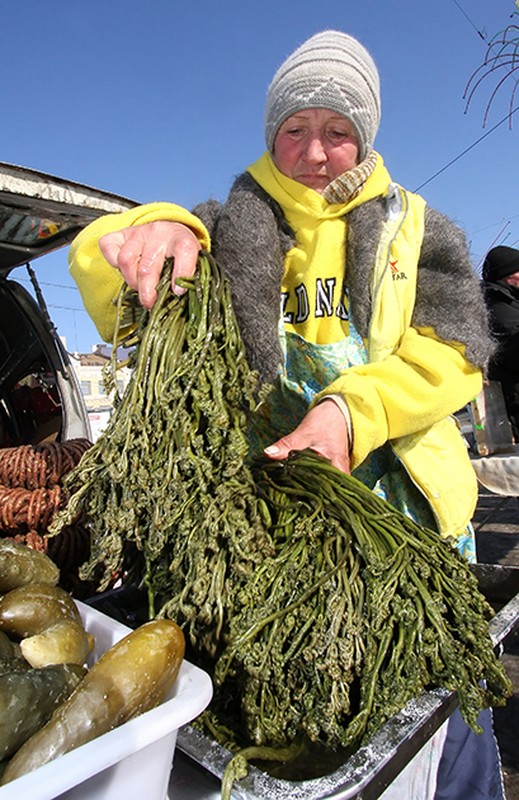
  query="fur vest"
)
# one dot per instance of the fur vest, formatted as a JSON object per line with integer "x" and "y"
{"x": 250, "y": 237}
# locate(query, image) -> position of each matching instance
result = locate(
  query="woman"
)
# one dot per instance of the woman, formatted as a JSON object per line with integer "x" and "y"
{"x": 381, "y": 332}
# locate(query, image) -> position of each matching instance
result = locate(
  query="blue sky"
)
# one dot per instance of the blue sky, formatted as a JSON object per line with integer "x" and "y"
{"x": 164, "y": 100}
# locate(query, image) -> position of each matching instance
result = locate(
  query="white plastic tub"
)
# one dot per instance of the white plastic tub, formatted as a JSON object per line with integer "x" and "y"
{"x": 132, "y": 761}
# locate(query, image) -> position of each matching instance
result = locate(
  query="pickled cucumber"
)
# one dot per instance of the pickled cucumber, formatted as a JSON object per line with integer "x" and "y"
{"x": 6, "y": 647}
{"x": 11, "y": 658}
{"x": 20, "y": 565}
{"x": 64, "y": 642}
{"x": 131, "y": 677}
{"x": 27, "y": 700}
{"x": 28, "y": 610}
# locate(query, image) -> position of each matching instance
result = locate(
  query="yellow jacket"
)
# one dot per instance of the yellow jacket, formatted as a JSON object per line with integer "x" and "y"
{"x": 386, "y": 397}
{"x": 393, "y": 401}
{"x": 435, "y": 457}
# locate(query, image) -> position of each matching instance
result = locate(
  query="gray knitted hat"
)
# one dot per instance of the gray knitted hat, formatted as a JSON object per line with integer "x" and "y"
{"x": 330, "y": 70}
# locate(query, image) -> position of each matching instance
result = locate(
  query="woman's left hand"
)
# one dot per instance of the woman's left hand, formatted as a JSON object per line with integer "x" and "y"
{"x": 324, "y": 430}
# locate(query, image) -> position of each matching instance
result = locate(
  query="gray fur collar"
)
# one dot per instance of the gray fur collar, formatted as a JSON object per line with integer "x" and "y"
{"x": 250, "y": 237}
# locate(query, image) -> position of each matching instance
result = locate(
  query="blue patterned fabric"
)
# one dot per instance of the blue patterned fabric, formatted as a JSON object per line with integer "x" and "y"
{"x": 309, "y": 368}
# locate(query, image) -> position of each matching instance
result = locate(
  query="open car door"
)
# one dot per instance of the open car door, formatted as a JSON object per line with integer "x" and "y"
{"x": 40, "y": 398}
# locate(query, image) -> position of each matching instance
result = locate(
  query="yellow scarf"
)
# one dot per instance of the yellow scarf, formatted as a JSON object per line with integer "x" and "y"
{"x": 314, "y": 305}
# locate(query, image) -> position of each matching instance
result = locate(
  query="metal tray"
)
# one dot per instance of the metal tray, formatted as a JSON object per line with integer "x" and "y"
{"x": 374, "y": 766}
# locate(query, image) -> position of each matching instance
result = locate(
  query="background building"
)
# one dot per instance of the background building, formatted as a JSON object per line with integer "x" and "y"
{"x": 89, "y": 369}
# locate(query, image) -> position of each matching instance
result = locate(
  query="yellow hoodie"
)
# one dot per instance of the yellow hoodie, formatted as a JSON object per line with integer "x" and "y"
{"x": 412, "y": 380}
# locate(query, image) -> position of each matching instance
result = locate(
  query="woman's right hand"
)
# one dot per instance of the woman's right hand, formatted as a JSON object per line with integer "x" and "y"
{"x": 139, "y": 253}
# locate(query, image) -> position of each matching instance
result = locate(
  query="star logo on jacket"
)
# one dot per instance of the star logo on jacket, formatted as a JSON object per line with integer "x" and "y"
{"x": 397, "y": 274}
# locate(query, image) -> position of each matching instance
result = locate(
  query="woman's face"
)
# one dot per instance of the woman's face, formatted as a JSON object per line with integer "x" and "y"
{"x": 315, "y": 146}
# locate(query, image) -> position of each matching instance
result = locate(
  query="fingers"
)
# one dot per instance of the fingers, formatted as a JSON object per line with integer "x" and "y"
{"x": 184, "y": 247}
{"x": 110, "y": 246}
{"x": 139, "y": 253}
{"x": 323, "y": 430}
{"x": 149, "y": 265}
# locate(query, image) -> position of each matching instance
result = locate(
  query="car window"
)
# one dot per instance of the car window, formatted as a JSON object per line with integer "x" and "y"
{"x": 28, "y": 231}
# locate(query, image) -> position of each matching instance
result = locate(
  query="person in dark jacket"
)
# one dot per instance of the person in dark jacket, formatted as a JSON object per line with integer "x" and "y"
{"x": 501, "y": 289}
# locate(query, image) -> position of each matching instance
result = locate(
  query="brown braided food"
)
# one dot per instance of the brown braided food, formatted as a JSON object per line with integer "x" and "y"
{"x": 31, "y": 539}
{"x": 69, "y": 549}
{"x": 31, "y": 495}
{"x": 23, "y": 510}
{"x": 40, "y": 466}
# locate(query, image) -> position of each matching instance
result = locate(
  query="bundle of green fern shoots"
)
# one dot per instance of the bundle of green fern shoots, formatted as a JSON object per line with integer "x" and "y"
{"x": 317, "y": 608}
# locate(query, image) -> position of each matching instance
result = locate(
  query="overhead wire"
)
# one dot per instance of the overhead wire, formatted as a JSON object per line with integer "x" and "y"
{"x": 480, "y": 33}
{"x": 492, "y": 244}
{"x": 467, "y": 149}
{"x": 508, "y": 116}
{"x": 55, "y": 286}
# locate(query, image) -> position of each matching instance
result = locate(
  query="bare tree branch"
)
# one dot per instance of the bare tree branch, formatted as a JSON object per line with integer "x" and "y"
{"x": 503, "y": 55}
